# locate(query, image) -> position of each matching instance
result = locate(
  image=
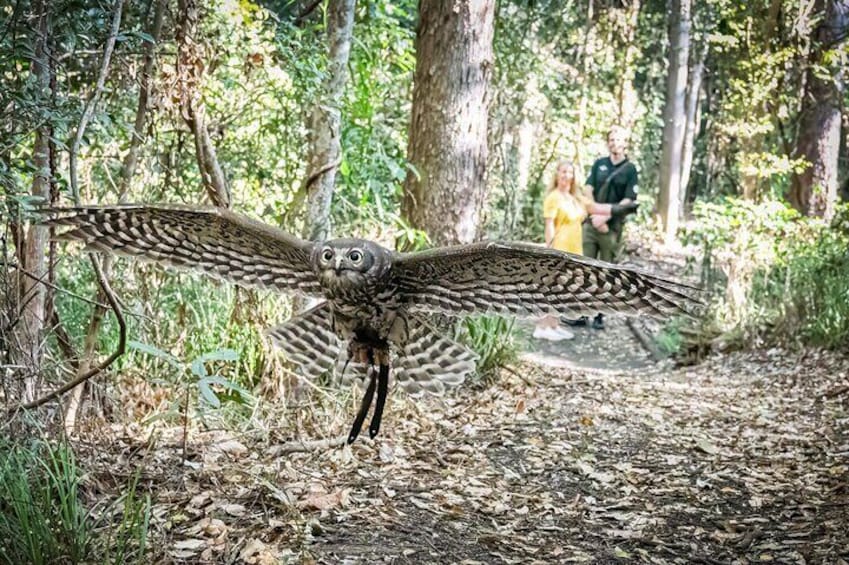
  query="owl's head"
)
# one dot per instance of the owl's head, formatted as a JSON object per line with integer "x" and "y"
{"x": 350, "y": 263}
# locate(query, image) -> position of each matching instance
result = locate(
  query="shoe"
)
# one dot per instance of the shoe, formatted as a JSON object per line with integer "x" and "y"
{"x": 565, "y": 333}
{"x": 582, "y": 321}
{"x": 598, "y": 321}
{"x": 551, "y": 334}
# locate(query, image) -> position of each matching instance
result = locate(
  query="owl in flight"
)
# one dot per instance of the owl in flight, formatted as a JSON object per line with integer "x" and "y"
{"x": 376, "y": 304}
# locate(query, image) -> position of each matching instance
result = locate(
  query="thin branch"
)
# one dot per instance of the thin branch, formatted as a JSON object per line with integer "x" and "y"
{"x": 306, "y": 12}
{"x": 92, "y": 102}
{"x": 64, "y": 340}
{"x": 122, "y": 344}
{"x": 53, "y": 286}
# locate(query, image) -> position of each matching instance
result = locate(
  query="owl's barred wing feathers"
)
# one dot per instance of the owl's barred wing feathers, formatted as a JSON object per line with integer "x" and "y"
{"x": 425, "y": 362}
{"x": 215, "y": 241}
{"x": 309, "y": 342}
{"x": 431, "y": 362}
{"x": 529, "y": 280}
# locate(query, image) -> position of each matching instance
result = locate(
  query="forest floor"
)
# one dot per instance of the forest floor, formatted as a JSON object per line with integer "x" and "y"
{"x": 585, "y": 451}
{"x": 742, "y": 459}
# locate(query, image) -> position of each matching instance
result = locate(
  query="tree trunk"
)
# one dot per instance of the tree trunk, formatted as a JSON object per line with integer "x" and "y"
{"x": 626, "y": 93}
{"x": 26, "y": 340}
{"x": 586, "y": 56}
{"x": 691, "y": 112}
{"x": 445, "y": 192}
{"x": 673, "y": 116}
{"x": 190, "y": 67}
{"x": 326, "y": 122}
{"x": 814, "y": 191}
{"x": 128, "y": 169}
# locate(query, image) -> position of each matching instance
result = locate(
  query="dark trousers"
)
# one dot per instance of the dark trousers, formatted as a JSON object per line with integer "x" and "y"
{"x": 604, "y": 246}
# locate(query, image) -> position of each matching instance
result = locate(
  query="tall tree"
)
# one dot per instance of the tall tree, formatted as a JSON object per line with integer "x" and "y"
{"x": 691, "y": 120}
{"x": 32, "y": 245}
{"x": 626, "y": 94}
{"x": 814, "y": 191}
{"x": 190, "y": 66}
{"x": 674, "y": 118}
{"x": 586, "y": 57}
{"x": 445, "y": 192}
{"x": 326, "y": 122}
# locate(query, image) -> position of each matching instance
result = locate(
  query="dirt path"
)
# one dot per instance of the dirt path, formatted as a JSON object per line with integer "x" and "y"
{"x": 743, "y": 459}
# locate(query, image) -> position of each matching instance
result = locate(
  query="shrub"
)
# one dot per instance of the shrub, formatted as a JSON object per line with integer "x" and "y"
{"x": 775, "y": 275}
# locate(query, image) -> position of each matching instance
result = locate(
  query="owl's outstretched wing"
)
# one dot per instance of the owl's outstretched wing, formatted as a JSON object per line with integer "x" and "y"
{"x": 530, "y": 280}
{"x": 216, "y": 242}
{"x": 309, "y": 342}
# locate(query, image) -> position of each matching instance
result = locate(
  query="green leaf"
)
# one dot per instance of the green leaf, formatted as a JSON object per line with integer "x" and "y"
{"x": 208, "y": 394}
{"x": 198, "y": 367}
{"x": 219, "y": 380}
{"x": 156, "y": 352}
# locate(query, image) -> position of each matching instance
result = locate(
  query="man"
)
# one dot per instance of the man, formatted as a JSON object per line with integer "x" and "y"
{"x": 612, "y": 180}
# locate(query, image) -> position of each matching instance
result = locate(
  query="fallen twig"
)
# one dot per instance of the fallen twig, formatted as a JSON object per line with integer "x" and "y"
{"x": 645, "y": 340}
{"x": 301, "y": 446}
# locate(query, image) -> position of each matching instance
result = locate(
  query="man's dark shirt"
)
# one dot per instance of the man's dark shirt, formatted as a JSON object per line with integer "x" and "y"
{"x": 623, "y": 185}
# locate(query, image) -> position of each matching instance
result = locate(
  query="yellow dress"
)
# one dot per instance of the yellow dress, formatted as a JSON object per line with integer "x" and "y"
{"x": 568, "y": 214}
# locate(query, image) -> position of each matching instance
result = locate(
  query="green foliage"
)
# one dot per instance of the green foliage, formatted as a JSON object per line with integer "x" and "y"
{"x": 493, "y": 339}
{"x": 211, "y": 389}
{"x": 776, "y": 275}
{"x": 375, "y": 116}
{"x": 43, "y": 519}
{"x": 126, "y": 541}
{"x": 810, "y": 285}
{"x": 669, "y": 340}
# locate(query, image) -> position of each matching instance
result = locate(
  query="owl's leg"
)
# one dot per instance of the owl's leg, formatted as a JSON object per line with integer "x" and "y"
{"x": 382, "y": 391}
{"x": 371, "y": 353}
{"x": 364, "y": 406}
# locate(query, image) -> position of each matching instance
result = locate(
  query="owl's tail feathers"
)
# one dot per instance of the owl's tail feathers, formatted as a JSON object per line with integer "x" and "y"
{"x": 309, "y": 342}
{"x": 431, "y": 362}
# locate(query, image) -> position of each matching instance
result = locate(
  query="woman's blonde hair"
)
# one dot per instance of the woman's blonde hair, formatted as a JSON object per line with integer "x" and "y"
{"x": 575, "y": 189}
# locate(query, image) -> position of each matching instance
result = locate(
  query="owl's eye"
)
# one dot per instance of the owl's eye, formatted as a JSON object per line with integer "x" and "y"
{"x": 355, "y": 256}
{"x": 327, "y": 254}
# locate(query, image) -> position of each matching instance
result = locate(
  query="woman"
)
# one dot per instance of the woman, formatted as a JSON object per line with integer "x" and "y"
{"x": 564, "y": 210}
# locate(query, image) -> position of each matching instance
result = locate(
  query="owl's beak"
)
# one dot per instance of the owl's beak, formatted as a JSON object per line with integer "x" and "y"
{"x": 338, "y": 266}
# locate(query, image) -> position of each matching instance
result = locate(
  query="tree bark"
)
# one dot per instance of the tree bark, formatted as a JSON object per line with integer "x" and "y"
{"x": 691, "y": 113}
{"x": 26, "y": 339}
{"x": 326, "y": 122}
{"x": 626, "y": 93}
{"x": 814, "y": 191}
{"x": 673, "y": 116}
{"x": 190, "y": 67}
{"x": 445, "y": 193}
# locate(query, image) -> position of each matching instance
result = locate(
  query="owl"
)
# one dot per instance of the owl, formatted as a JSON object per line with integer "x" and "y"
{"x": 376, "y": 304}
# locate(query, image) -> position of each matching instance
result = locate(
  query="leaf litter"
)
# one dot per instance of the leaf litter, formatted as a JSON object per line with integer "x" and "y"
{"x": 742, "y": 459}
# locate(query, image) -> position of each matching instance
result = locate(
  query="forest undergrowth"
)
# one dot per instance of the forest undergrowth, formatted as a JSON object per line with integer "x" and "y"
{"x": 743, "y": 457}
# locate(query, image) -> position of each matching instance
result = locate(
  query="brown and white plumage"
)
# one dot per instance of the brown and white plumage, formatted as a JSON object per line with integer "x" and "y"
{"x": 374, "y": 298}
